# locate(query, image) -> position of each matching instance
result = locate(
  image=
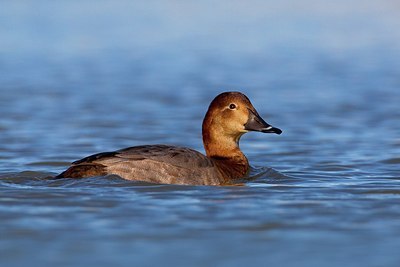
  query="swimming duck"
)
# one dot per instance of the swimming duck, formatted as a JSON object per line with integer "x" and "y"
{"x": 229, "y": 116}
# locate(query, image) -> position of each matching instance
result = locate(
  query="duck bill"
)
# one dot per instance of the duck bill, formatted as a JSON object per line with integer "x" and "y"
{"x": 257, "y": 124}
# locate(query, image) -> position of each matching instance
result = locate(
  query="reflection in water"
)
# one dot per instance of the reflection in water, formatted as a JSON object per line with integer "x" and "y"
{"x": 77, "y": 78}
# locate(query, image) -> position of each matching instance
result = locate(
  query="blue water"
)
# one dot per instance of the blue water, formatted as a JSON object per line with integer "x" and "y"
{"x": 81, "y": 77}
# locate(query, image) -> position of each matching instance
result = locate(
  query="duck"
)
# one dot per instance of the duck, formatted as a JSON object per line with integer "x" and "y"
{"x": 229, "y": 116}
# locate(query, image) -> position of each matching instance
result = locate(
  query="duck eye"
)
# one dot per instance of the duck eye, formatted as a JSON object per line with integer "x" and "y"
{"x": 232, "y": 106}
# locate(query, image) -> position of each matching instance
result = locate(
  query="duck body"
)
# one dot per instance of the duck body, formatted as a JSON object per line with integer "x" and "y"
{"x": 158, "y": 164}
{"x": 229, "y": 116}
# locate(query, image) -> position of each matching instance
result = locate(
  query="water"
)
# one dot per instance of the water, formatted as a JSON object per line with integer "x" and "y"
{"x": 78, "y": 77}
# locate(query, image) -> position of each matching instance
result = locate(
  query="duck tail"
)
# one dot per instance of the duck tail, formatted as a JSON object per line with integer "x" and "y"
{"x": 83, "y": 171}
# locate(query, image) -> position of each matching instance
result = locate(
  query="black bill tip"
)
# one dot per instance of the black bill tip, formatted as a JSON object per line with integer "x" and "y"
{"x": 271, "y": 129}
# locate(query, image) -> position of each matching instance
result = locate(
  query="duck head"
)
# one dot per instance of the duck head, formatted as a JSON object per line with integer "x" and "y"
{"x": 229, "y": 116}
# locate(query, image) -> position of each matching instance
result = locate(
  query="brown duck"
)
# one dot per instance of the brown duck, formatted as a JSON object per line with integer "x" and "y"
{"x": 229, "y": 116}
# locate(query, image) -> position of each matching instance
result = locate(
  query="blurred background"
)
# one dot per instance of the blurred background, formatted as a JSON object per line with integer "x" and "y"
{"x": 84, "y": 72}
{"x": 80, "y": 77}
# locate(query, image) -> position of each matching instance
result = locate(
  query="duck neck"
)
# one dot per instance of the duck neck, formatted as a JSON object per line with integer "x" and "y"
{"x": 225, "y": 152}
